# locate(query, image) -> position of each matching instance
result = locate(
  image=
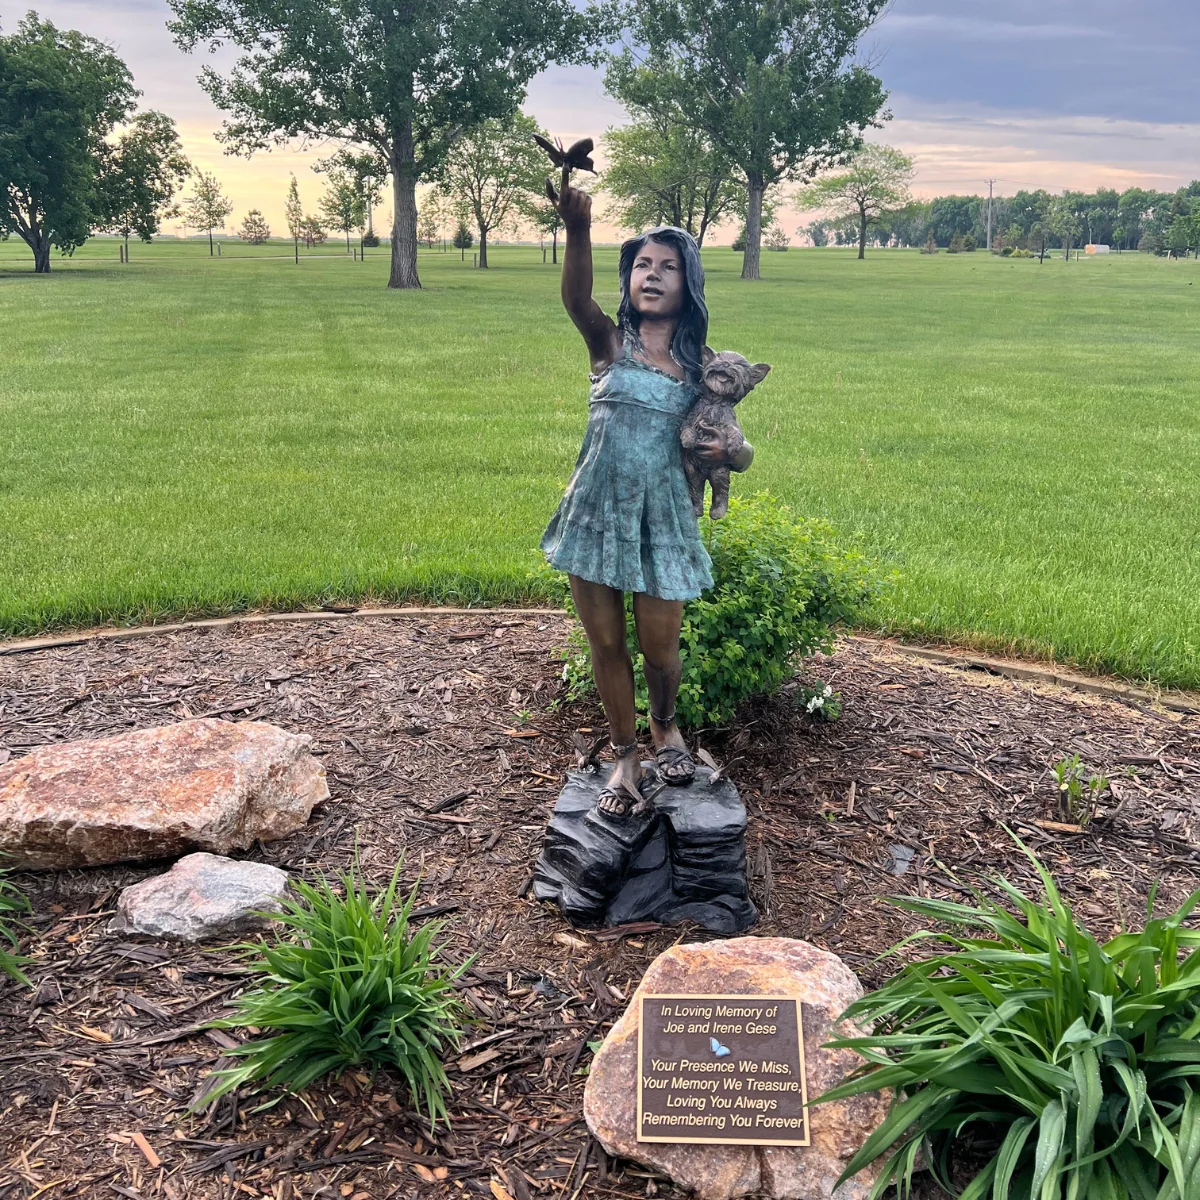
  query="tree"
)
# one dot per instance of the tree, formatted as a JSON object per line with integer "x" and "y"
{"x": 207, "y": 207}
{"x": 255, "y": 229}
{"x": 406, "y": 80}
{"x": 293, "y": 214}
{"x": 463, "y": 240}
{"x": 818, "y": 233}
{"x": 772, "y": 85}
{"x": 876, "y": 180}
{"x": 544, "y": 217}
{"x": 313, "y": 232}
{"x": 953, "y": 215}
{"x": 1064, "y": 220}
{"x": 431, "y": 217}
{"x": 61, "y": 94}
{"x": 490, "y": 168}
{"x": 661, "y": 173}
{"x": 365, "y": 172}
{"x": 1181, "y": 236}
{"x": 343, "y": 204}
{"x": 776, "y": 239}
{"x": 139, "y": 176}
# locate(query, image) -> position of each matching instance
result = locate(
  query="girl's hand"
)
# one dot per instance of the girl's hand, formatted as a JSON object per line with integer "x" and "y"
{"x": 711, "y": 452}
{"x": 574, "y": 205}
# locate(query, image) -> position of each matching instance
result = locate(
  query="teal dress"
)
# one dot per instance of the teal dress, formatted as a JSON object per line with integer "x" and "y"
{"x": 626, "y": 518}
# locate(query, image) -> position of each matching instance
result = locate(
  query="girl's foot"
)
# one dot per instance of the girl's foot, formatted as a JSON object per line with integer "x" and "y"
{"x": 676, "y": 766}
{"x": 622, "y": 794}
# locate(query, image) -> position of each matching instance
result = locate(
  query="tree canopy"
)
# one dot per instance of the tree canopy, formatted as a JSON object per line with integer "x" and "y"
{"x": 61, "y": 94}
{"x": 773, "y": 86}
{"x": 140, "y": 174}
{"x": 490, "y": 169}
{"x": 207, "y": 207}
{"x": 405, "y": 80}
{"x": 875, "y": 181}
{"x": 661, "y": 173}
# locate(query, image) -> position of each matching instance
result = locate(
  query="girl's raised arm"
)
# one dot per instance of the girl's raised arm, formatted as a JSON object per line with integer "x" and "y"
{"x": 599, "y": 332}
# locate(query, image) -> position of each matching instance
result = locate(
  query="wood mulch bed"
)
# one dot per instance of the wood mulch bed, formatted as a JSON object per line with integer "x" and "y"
{"x": 441, "y": 744}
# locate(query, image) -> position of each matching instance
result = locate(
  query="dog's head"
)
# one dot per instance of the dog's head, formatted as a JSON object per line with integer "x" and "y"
{"x": 730, "y": 377}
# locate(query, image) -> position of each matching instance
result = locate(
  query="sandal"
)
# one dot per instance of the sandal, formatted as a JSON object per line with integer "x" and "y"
{"x": 677, "y": 767}
{"x": 628, "y": 801}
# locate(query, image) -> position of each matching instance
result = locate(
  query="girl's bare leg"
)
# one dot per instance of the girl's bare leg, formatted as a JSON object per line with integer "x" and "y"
{"x": 658, "y": 622}
{"x": 602, "y": 612}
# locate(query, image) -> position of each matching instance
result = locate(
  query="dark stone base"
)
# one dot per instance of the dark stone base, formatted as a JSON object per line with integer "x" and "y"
{"x": 686, "y": 860}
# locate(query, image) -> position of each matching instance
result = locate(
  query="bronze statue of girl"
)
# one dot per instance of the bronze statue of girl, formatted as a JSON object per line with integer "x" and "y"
{"x": 626, "y": 522}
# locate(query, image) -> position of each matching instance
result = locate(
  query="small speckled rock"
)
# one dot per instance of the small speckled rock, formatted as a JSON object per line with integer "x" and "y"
{"x": 825, "y": 986}
{"x": 157, "y": 793}
{"x": 202, "y": 895}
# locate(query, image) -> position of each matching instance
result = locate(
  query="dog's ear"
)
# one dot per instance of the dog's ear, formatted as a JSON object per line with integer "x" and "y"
{"x": 707, "y": 355}
{"x": 759, "y": 372}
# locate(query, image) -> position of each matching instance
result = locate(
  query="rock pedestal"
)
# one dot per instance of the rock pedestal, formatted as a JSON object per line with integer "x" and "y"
{"x": 825, "y": 986}
{"x": 202, "y": 895}
{"x": 685, "y": 860}
{"x": 156, "y": 793}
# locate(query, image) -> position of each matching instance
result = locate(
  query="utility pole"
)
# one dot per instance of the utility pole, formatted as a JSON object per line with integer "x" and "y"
{"x": 989, "y": 219}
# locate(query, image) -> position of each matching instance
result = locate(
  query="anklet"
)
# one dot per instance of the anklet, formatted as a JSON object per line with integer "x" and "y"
{"x": 623, "y": 751}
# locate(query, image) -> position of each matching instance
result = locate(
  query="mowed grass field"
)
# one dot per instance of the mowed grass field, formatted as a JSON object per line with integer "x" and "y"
{"x": 187, "y": 435}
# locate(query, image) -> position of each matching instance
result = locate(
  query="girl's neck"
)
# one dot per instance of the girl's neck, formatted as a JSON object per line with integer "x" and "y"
{"x": 655, "y": 338}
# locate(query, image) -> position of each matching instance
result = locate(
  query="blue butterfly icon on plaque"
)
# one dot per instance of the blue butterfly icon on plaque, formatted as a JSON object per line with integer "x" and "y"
{"x": 719, "y": 1050}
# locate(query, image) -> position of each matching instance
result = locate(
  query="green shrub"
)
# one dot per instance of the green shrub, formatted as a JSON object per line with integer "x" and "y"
{"x": 780, "y": 584}
{"x": 351, "y": 985}
{"x": 11, "y": 901}
{"x": 1057, "y": 1061}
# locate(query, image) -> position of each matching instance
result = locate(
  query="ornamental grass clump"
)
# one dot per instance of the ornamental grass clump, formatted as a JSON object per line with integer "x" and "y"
{"x": 1034, "y": 1057}
{"x": 349, "y": 983}
{"x": 11, "y": 901}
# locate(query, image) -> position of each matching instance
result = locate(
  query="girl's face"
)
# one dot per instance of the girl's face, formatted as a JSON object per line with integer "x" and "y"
{"x": 656, "y": 282}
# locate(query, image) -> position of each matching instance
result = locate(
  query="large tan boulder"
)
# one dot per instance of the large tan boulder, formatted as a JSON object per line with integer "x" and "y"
{"x": 198, "y": 785}
{"x": 825, "y": 986}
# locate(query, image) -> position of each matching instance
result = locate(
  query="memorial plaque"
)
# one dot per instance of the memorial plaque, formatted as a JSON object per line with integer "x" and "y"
{"x": 722, "y": 1069}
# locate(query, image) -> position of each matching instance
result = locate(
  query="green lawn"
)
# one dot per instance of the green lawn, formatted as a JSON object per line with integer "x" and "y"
{"x": 190, "y": 435}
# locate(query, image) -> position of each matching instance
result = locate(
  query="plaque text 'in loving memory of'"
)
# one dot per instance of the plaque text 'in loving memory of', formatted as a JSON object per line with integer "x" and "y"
{"x": 721, "y": 1069}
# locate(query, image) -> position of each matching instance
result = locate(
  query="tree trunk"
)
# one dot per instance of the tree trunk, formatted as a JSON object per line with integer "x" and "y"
{"x": 296, "y": 248}
{"x": 753, "y": 252}
{"x": 127, "y": 248}
{"x": 41, "y": 256}
{"x": 483, "y": 247}
{"x": 862, "y": 233}
{"x": 404, "y": 210}
{"x": 210, "y": 244}
{"x": 347, "y": 237}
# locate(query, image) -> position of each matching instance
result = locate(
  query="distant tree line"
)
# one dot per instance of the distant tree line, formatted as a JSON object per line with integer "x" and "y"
{"x": 731, "y": 103}
{"x": 1136, "y": 219}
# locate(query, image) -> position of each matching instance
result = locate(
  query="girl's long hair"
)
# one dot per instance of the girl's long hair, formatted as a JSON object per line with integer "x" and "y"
{"x": 692, "y": 330}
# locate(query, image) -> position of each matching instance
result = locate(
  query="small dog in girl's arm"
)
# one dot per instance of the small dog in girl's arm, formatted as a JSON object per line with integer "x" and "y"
{"x": 726, "y": 378}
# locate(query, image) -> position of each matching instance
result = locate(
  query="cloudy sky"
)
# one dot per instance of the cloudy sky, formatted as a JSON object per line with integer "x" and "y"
{"x": 1037, "y": 93}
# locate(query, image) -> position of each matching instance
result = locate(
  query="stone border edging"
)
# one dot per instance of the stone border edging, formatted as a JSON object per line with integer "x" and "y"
{"x": 1009, "y": 668}
{"x": 1181, "y": 702}
{"x": 30, "y": 645}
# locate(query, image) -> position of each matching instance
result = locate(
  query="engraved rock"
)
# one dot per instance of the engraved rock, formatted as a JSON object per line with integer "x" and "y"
{"x": 825, "y": 986}
{"x": 155, "y": 793}
{"x": 202, "y": 895}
